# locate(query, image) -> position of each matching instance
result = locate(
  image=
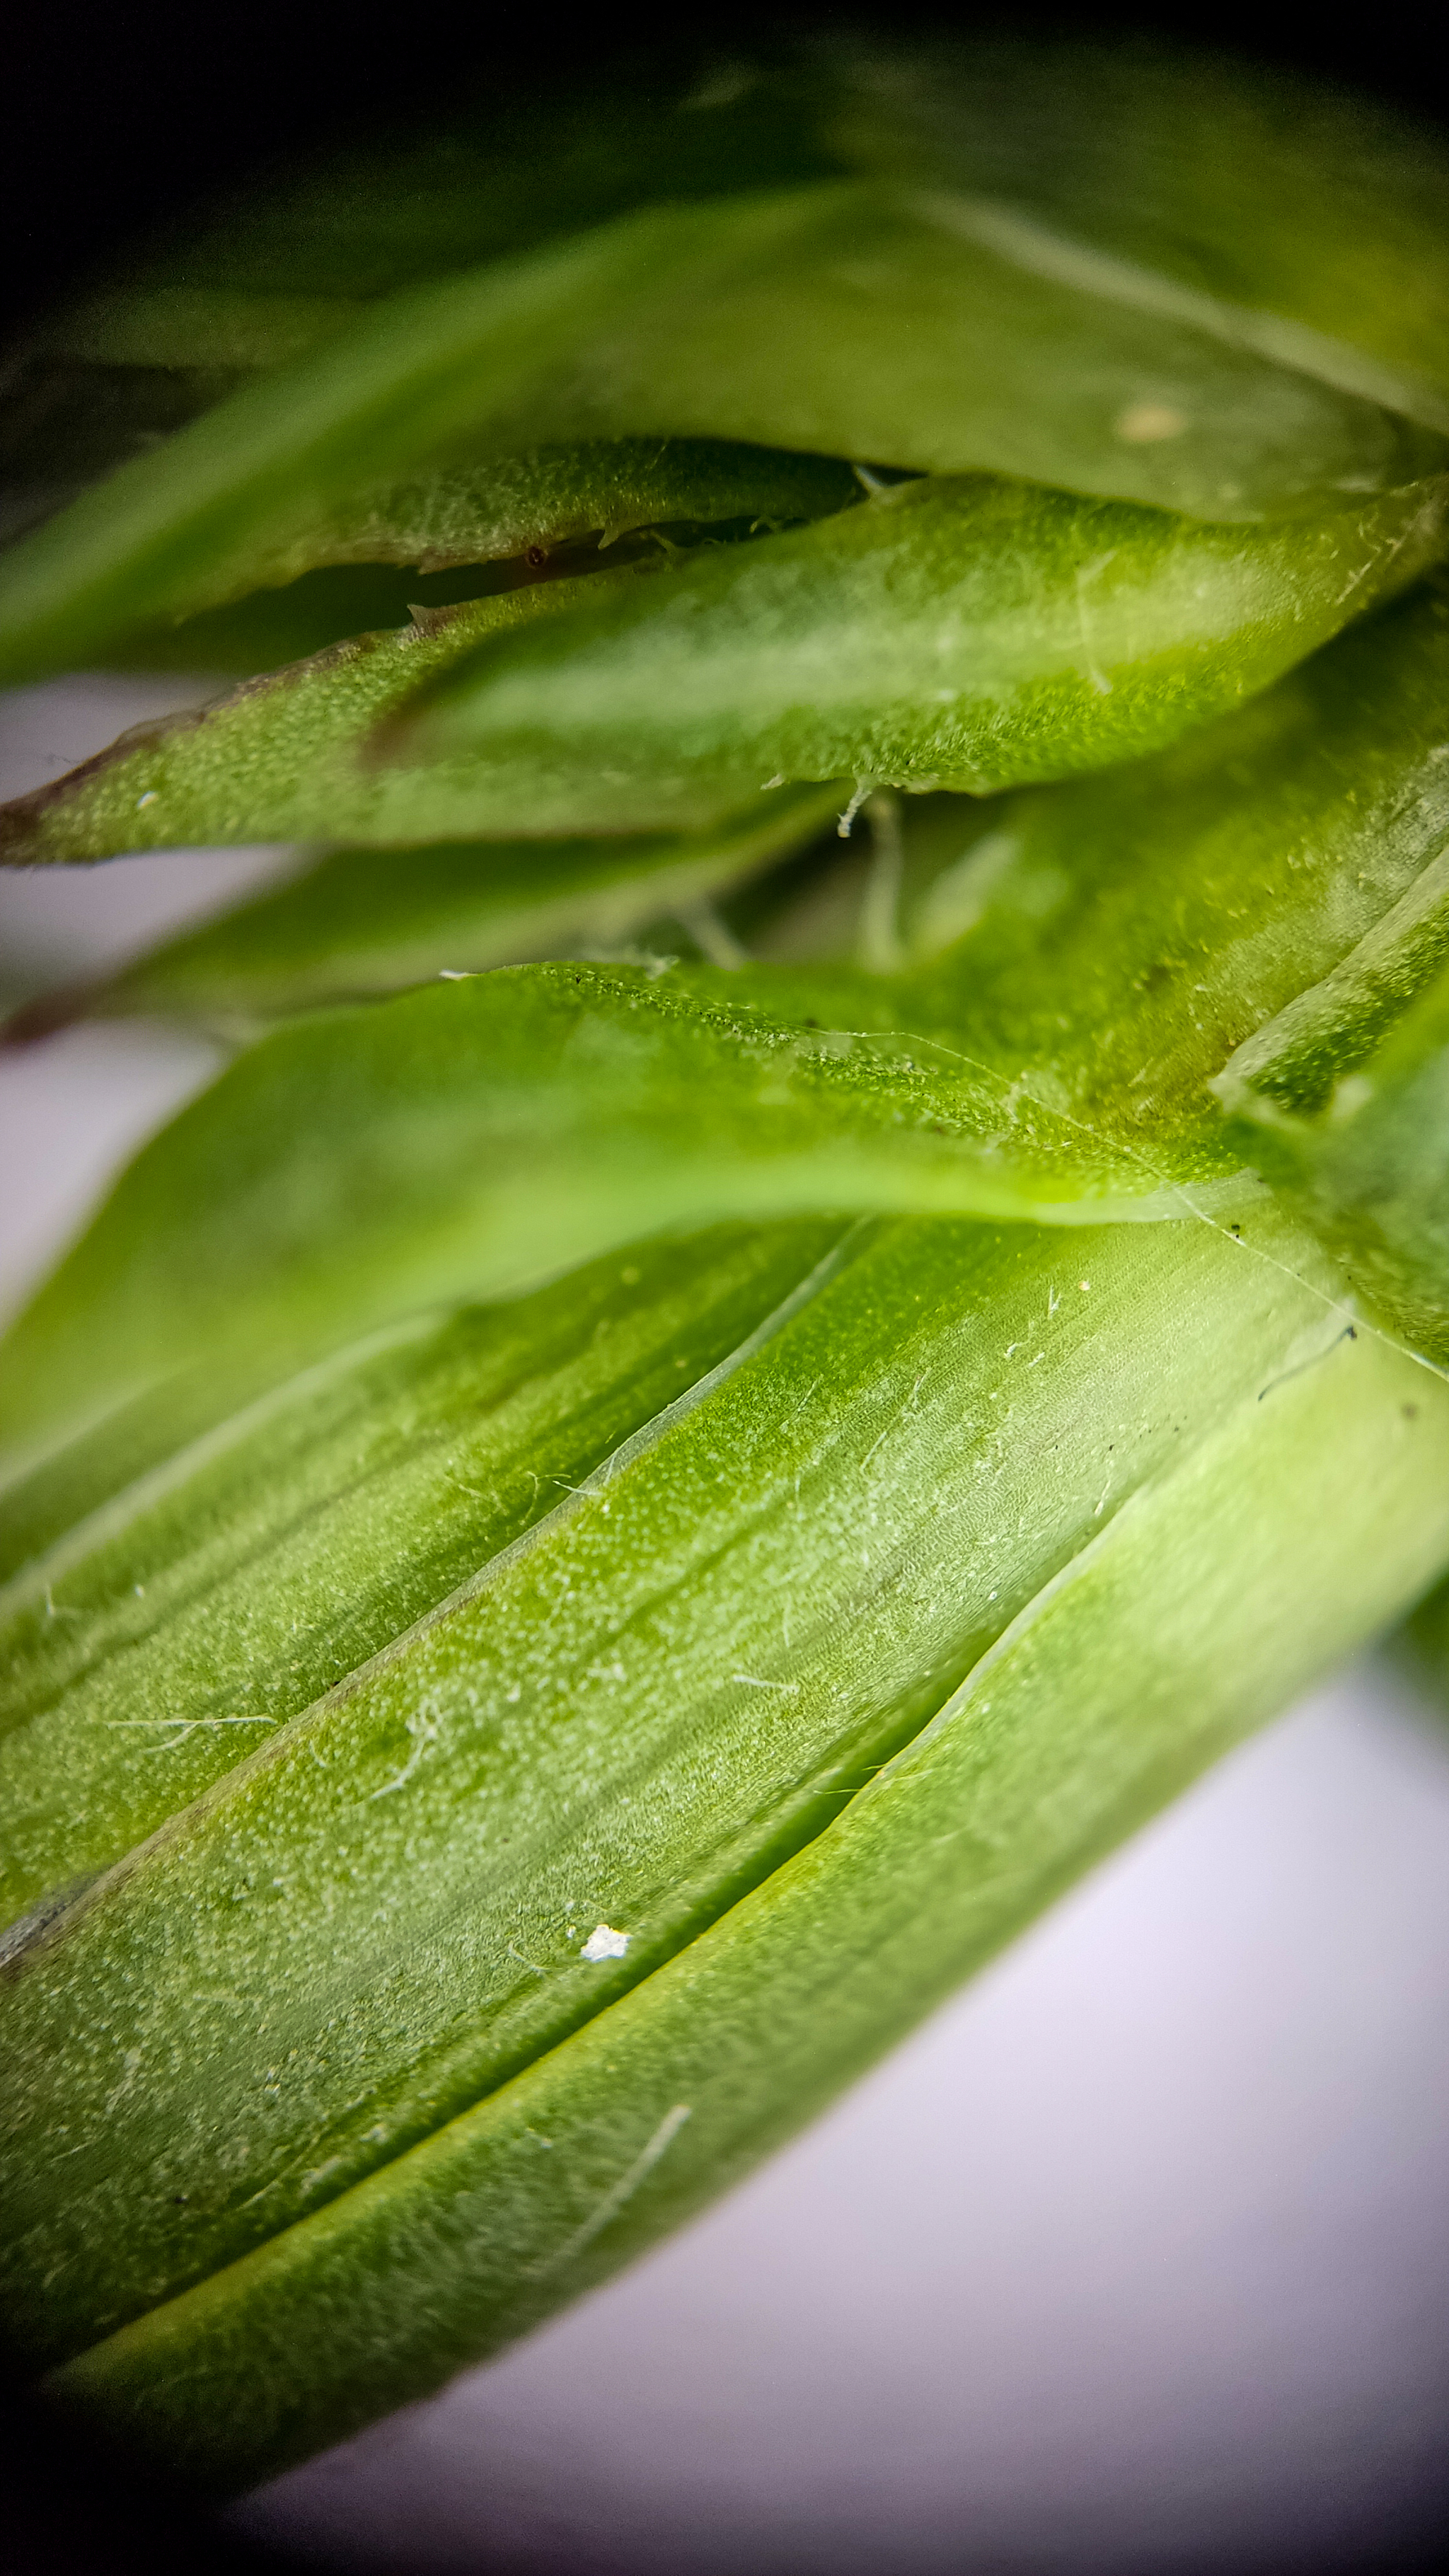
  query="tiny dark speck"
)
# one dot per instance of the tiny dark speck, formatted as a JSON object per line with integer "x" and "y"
{"x": 1411, "y": 1413}
{"x": 536, "y": 555}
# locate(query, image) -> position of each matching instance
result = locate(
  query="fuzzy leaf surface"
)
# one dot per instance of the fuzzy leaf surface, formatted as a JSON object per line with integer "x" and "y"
{"x": 1084, "y": 967}
{"x": 173, "y": 1628}
{"x": 1187, "y": 1621}
{"x": 965, "y": 633}
{"x": 628, "y": 1717}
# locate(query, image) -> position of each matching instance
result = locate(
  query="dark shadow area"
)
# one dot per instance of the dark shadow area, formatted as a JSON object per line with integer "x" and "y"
{"x": 74, "y": 2507}
{"x": 120, "y": 119}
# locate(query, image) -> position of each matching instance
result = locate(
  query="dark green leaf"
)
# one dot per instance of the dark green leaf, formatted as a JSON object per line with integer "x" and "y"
{"x": 837, "y": 319}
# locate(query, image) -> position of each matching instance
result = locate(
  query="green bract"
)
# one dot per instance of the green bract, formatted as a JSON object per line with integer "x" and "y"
{"x": 959, "y": 633}
{"x": 822, "y": 1265}
{"x": 355, "y": 923}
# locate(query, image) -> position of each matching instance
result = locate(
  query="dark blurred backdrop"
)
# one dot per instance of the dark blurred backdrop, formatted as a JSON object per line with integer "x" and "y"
{"x": 117, "y": 116}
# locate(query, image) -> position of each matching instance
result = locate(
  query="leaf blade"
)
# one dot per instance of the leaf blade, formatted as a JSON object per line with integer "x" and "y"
{"x": 762, "y": 2018}
{"x": 743, "y": 319}
{"x": 968, "y": 633}
{"x": 898, "y": 1462}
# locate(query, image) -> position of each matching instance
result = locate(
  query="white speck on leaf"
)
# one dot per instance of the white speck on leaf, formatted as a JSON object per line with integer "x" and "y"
{"x": 604, "y": 1943}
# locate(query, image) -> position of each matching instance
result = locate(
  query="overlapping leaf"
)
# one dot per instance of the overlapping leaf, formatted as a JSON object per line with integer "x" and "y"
{"x": 967, "y": 633}
{"x": 1186, "y": 1621}
{"x": 1319, "y": 218}
{"x": 361, "y": 922}
{"x": 409, "y": 1873}
{"x": 837, "y": 319}
{"x": 1128, "y": 935}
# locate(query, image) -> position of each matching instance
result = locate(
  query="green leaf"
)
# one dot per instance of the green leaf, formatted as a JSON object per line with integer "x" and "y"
{"x": 603, "y": 489}
{"x": 967, "y": 635}
{"x": 163, "y": 1636}
{"x": 288, "y": 744}
{"x": 833, "y": 1530}
{"x": 1358, "y": 1132}
{"x": 836, "y": 318}
{"x": 1284, "y": 214}
{"x": 369, "y": 922}
{"x": 1185, "y": 1622}
{"x": 964, "y": 633}
{"x": 1108, "y": 947}
{"x": 1118, "y": 940}
{"x": 474, "y": 530}
{"x": 476, "y": 1138}
{"x": 279, "y": 265}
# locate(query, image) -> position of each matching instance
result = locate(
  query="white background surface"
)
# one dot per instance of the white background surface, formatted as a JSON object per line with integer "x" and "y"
{"x": 1136, "y": 2257}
